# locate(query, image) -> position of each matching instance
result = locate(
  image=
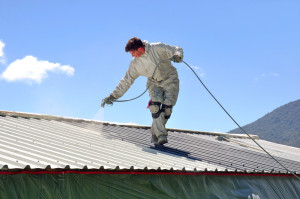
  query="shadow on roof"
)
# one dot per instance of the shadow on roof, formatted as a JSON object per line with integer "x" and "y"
{"x": 173, "y": 151}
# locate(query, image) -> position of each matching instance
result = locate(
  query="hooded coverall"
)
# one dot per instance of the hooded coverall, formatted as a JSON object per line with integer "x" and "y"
{"x": 163, "y": 87}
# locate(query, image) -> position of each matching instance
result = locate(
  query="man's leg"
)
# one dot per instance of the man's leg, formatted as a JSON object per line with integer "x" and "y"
{"x": 158, "y": 129}
{"x": 163, "y": 96}
{"x": 171, "y": 89}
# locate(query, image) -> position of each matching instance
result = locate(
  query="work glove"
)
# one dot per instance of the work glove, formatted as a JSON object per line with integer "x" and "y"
{"x": 108, "y": 100}
{"x": 176, "y": 58}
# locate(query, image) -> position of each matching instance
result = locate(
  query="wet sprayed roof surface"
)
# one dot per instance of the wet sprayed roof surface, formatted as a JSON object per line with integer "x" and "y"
{"x": 42, "y": 142}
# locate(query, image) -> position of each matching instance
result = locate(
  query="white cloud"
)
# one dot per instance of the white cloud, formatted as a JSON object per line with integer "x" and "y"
{"x": 269, "y": 75}
{"x": 200, "y": 71}
{"x": 30, "y": 69}
{"x": 266, "y": 75}
{"x": 1, "y": 48}
{"x": 2, "y": 59}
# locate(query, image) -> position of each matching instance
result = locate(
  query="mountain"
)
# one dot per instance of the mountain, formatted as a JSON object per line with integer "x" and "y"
{"x": 282, "y": 125}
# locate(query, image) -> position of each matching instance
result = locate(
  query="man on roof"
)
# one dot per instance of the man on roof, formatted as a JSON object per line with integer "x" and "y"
{"x": 152, "y": 60}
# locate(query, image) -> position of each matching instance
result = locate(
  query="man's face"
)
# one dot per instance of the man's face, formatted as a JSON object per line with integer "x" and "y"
{"x": 137, "y": 53}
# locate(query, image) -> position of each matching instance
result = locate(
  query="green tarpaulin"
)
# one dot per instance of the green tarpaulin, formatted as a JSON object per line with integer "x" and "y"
{"x": 152, "y": 186}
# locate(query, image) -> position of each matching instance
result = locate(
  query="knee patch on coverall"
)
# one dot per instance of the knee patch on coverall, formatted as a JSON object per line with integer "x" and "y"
{"x": 167, "y": 109}
{"x": 155, "y": 109}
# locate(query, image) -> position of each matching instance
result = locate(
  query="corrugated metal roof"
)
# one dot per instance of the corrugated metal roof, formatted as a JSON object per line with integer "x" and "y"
{"x": 40, "y": 141}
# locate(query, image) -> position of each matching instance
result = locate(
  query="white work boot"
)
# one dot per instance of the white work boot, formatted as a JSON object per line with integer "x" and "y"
{"x": 162, "y": 139}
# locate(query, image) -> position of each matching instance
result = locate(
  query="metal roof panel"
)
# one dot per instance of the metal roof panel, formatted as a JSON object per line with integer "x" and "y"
{"x": 41, "y": 141}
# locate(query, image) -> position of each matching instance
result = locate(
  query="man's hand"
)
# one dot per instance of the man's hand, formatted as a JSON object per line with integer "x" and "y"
{"x": 176, "y": 58}
{"x": 108, "y": 100}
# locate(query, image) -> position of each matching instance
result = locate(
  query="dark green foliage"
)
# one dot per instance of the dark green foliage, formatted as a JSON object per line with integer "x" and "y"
{"x": 281, "y": 125}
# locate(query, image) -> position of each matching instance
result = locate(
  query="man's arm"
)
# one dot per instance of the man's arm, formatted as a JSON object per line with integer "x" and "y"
{"x": 174, "y": 52}
{"x": 125, "y": 82}
{"x": 123, "y": 85}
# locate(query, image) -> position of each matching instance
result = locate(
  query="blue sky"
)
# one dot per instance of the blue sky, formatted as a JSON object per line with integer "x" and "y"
{"x": 63, "y": 57}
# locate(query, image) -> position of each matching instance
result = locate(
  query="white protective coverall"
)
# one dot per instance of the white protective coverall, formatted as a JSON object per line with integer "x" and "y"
{"x": 164, "y": 86}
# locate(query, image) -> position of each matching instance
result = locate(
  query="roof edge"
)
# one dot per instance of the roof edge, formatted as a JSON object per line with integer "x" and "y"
{"x": 143, "y": 172}
{"x": 61, "y": 118}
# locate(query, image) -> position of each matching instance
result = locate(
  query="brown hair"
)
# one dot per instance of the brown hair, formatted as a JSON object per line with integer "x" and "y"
{"x": 133, "y": 44}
